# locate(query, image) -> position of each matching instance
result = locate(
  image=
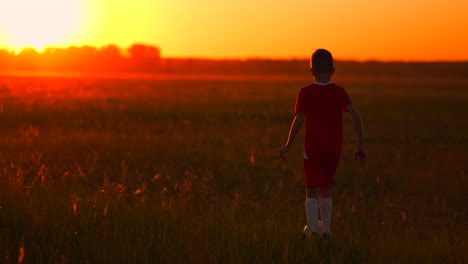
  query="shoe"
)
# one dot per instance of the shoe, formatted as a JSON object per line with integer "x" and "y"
{"x": 306, "y": 232}
{"x": 326, "y": 236}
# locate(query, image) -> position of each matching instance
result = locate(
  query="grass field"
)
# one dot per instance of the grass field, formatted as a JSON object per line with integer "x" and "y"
{"x": 187, "y": 171}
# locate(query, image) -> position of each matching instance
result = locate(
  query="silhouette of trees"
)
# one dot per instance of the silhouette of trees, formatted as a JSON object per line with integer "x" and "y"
{"x": 6, "y": 58}
{"x": 144, "y": 57}
{"x": 28, "y": 58}
{"x": 140, "y": 51}
{"x": 147, "y": 59}
{"x": 111, "y": 58}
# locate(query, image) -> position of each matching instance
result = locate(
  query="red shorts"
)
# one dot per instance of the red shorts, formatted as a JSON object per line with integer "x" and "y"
{"x": 319, "y": 173}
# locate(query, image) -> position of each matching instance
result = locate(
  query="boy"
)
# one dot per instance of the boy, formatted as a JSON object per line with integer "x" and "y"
{"x": 321, "y": 105}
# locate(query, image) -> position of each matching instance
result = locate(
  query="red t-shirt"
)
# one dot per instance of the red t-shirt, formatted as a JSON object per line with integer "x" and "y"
{"x": 323, "y": 106}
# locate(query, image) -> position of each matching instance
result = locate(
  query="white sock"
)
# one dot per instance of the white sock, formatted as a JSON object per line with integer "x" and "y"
{"x": 311, "y": 206}
{"x": 326, "y": 213}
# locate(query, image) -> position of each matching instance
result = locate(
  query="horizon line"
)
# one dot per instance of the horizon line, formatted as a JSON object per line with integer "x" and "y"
{"x": 235, "y": 58}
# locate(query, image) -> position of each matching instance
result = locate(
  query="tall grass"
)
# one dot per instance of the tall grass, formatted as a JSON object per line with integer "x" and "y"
{"x": 155, "y": 171}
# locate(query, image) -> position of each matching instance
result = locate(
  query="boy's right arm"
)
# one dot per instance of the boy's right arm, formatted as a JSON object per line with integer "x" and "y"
{"x": 360, "y": 152}
{"x": 295, "y": 126}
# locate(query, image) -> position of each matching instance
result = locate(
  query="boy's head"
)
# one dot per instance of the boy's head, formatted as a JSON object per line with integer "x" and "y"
{"x": 321, "y": 61}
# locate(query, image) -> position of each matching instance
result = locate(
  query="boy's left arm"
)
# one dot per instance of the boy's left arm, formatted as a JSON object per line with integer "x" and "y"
{"x": 360, "y": 153}
{"x": 295, "y": 127}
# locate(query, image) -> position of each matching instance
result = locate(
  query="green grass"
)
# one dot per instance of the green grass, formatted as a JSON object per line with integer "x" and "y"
{"x": 165, "y": 171}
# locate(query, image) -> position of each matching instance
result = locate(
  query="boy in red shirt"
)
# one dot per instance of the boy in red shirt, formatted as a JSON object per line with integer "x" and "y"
{"x": 321, "y": 105}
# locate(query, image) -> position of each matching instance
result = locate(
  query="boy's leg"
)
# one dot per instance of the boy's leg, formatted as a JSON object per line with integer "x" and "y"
{"x": 326, "y": 208}
{"x": 311, "y": 206}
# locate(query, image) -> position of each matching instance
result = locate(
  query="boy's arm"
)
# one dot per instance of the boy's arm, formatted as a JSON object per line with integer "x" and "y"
{"x": 360, "y": 152}
{"x": 295, "y": 126}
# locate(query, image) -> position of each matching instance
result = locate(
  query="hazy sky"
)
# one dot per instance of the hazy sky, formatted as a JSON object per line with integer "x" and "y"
{"x": 358, "y": 29}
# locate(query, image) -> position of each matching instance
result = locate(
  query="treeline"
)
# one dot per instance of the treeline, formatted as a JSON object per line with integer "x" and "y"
{"x": 109, "y": 58}
{"x": 147, "y": 59}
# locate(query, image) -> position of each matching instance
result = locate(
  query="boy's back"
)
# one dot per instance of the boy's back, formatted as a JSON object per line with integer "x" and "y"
{"x": 323, "y": 105}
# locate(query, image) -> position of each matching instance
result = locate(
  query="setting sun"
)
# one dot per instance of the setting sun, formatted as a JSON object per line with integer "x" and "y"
{"x": 39, "y": 23}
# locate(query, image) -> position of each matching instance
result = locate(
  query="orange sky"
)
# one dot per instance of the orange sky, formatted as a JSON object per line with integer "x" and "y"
{"x": 358, "y": 29}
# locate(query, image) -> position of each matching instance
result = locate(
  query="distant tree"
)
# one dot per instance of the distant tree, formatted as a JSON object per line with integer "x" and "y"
{"x": 5, "y": 53}
{"x": 144, "y": 58}
{"x": 6, "y": 58}
{"x": 51, "y": 58}
{"x": 27, "y": 59}
{"x": 83, "y": 52}
{"x": 110, "y": 58}
{"x": 110, "y": 51}
{"x": 140, "y": 51}
{"x": 83, "y": 58}
{"x": 28, "y": 52}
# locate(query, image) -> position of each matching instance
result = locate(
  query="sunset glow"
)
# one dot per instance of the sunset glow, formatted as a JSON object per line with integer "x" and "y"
{"x": 39, "y": 23}
{"x": 361, "y": 29}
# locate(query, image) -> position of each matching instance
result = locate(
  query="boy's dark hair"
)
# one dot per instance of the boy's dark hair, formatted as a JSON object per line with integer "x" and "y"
{"x": 321, "y": 61}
